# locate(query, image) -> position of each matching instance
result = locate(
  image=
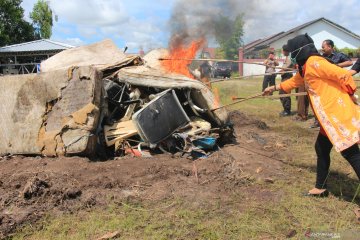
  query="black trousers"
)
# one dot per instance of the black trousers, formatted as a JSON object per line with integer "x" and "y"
{"x": 269, "y": 80}
{"x": 285, "y": 101}
{"x": 323, "y": 147}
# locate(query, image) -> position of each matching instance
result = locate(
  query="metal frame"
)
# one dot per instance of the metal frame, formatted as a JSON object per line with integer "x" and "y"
{"x": 24, "y": 68}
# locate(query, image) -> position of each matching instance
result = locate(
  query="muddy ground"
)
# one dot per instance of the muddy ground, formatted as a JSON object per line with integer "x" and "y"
{"x": 31, "y": 187}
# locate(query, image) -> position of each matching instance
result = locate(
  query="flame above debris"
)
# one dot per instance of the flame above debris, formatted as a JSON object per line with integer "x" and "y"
{"x": 182, "y": 52}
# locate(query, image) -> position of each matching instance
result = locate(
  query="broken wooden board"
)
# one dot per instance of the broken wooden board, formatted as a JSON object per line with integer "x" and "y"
{"x": 119, "y": 131}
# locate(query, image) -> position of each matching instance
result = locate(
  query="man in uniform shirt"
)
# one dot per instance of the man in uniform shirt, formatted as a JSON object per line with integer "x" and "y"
{"x": 286, "y": 101}
{"x": 269, "y": 78}
{"x": 338, "y": 58}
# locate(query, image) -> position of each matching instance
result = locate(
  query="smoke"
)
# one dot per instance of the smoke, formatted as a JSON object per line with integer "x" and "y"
{"x": 196, "y": 19}
{"x": 199, "y": 19}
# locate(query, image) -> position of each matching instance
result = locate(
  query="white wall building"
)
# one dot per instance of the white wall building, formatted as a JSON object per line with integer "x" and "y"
{"x": 319, "y": 30}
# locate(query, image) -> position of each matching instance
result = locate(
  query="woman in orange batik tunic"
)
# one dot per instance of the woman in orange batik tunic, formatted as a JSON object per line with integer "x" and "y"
{"x": 330, "y": 89}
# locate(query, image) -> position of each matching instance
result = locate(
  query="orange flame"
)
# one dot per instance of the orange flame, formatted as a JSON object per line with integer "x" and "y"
{"x": 182, "y": 52}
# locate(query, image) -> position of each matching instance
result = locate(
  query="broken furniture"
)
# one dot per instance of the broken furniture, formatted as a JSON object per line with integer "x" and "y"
{"x": 160, "y": 118}
{"x": 95, "y": 98}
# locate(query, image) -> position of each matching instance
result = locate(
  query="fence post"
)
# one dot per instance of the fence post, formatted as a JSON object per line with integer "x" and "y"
{"x": 241, "y": 58}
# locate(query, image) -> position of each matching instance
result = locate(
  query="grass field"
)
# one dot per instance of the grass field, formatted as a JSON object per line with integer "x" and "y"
{"x": 291, "y": 216}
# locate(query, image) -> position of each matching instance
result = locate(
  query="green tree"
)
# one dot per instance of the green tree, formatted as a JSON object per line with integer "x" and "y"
{"x": 351, "y": 52}
{"x": 42, "y": 19}
{"x": 13, "y": 28}
{"x": 228, "y": 34}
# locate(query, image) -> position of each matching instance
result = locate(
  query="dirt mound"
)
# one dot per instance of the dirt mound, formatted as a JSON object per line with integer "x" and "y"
{"x": 31, "y": 187}
{"x": 240, "y": 119}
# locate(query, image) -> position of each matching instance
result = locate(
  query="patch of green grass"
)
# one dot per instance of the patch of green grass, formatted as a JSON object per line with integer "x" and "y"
{"x": 182, "y": 222}
{"x": 243, "y": 220}
{"x": 239, "y": 218}
{"x": 235, "y": 74}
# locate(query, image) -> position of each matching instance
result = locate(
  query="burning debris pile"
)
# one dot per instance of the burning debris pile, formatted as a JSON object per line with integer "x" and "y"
{"x": 94, "y": 100}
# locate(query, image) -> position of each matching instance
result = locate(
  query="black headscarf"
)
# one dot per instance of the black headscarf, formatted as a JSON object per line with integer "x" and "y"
{"x": 302, "y": 47}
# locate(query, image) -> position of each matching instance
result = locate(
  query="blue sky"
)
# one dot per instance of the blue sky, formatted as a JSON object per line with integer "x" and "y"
{"x": 128, "y": 23}
{"x": 141, "y": 23}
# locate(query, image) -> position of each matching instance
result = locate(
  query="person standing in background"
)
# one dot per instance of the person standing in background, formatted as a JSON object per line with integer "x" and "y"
{"x": 269, "y": 78}
{"x": 302, "y": 104}
{"x": 338, "y": 58}
{"x": 356, "y": 68}
{"x": 285, "y": 101}
{"x": 205, "y": 73}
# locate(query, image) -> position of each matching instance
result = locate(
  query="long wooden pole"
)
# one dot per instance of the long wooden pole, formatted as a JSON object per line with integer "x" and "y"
{"x": 277, "y": 96}
{"x": 249, "y": 76}
{"x": 259, "y": 95}
{"x": 239, "y": 101}
{"x": 218, "y": 60}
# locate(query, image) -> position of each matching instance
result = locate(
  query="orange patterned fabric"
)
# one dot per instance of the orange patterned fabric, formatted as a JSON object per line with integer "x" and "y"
{"x": 328, "y": 87}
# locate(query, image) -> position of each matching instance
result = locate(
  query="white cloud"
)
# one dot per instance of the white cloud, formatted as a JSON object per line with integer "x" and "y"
{"x": 276, "y": 15}
{"x": 131, "y": 21}
{"x": 134, "y": 22}
{"x": 87, "y": 31}
{"x": 72, "y": 41}
{"x": 91, "y": 12}
{"x": 144, "y": 23}
{"x": 142, "y": 34}
{"x": 63, "y": 30}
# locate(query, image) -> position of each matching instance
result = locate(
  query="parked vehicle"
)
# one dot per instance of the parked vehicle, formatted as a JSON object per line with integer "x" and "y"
{"x": 222, "y": 69}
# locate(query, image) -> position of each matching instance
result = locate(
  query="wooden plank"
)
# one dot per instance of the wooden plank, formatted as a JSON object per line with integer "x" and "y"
{"x": 119, "y": 131}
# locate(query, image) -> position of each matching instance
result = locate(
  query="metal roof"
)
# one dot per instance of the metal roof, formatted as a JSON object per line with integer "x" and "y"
{"x": 34, "y": 46}
{"x": 268, "y": 40}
